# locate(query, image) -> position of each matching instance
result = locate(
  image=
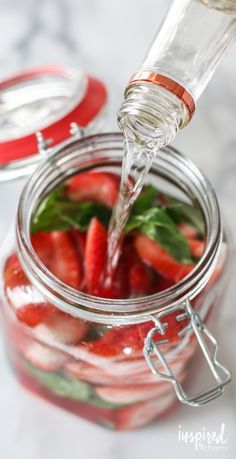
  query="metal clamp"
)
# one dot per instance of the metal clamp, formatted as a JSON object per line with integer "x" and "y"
{"x": 43, "y": 144}
{"x": 151, "y": 350}
{"x": 76, "y": 131}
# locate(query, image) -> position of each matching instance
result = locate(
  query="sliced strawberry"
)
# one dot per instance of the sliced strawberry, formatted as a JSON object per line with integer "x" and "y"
{"x": 113, "y": 370}
{"x": 117, "y": 342}
{"x": 115, "y": 373}
{"x": 61, "y": 328}
{"x": 101, "y": 187}
{"x": 118, "y": 285}
{"x": 162, "y": 283}
{"x": 43, "y": 357}
{"x": 126, "y": 341}
{"x": 129, "y": 341}
{"x": 95, "y": 256}
{"x": 138, "y": 415}
{"x": 89, "y": 373}
{"x": 162, "y": 200}
{"x": 57, "y": 253}
{"x": 140, "y": 280}
{"x": 188, "y": 230}
{"x": 14, "y": 275}
{"x": 160, "y": 260}
{"x": 109, "y": 372}
{"x": 34, "y": 314}
{"x": 139, "y": 275}
{"x": 131, "y": 394}
{"x": 95, "y": 265}
{"x": 196, "y": 247}
{"x": 79, "y": 240}
{"x": 28, "y": 304}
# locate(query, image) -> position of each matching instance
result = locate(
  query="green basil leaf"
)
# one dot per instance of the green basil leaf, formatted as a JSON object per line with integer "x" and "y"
{"x": 180, "y": 212}
{"x": 157, "y": 225}
{"x": 61, "y": 384}
{"x": 145, "y": 200}
{"x": 57, "y": 212}
{"x": 64, "y": 384}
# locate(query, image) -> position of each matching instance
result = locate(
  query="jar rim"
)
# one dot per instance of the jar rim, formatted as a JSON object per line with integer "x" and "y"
{"x": 106, "y": 310}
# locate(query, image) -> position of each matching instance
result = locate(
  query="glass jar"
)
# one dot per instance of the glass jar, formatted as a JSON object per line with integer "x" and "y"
{"x": 114, "y": 362}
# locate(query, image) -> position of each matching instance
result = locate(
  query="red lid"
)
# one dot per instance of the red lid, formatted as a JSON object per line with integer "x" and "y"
{"x": 46, "y": 99}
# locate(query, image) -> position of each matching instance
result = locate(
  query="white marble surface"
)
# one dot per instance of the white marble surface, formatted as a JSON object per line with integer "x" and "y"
{"x": 109, "y": 39}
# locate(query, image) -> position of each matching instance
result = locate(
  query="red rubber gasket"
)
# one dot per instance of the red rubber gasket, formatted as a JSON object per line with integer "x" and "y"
{"x": 90, "y": 106}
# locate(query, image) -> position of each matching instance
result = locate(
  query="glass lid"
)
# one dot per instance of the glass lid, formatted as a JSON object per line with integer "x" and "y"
{"x": 40, "y": 108}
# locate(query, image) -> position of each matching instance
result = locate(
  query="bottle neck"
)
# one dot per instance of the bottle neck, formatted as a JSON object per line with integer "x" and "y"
{"x": 191, "y": 43}
{"x": 151, "y": 115}
{"x": 186, "y": 51}
{"x": 228, "y": 6}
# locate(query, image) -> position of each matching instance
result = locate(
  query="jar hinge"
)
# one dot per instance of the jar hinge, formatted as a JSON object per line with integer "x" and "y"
{"x": 76, "y": 131}
{"x": 151, "y": 350}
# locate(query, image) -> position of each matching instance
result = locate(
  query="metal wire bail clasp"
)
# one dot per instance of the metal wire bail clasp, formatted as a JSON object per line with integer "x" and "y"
{"x": 152, "y": 351}
{"x": 44, "y": 149}
{"x": 43, "y": 144}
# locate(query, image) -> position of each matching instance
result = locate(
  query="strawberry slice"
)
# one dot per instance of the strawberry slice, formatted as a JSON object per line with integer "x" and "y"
{"x": 95, "y": 265}
{"x": 129, "y": 340}
{"x": 126, "y": 341}
{"x": 118, "y": 342}
{"x": 162, "y": 283}
{"x": 57, "y": 253}
{"x": 117, "y": 376}
{"x": 160, "y": 260}
{"x": 95, "y": 256}
{"x": 118, "y": 285}
{"x": 14, "y": 275}
{"x": 28, "y": 304}
{"x": 140, "y": 280}
{"x": 139, "y": 275}
{"x": 101, "y": 187}
{"x": 138, "y": 415}
{"x": 131, "y": 393}
{"x": 43, "y": 357}
{"x": 188, "y": 230}
{"x": 34, "y": 314}
{"x": 113, "y": 370}
{"x": 109, "y": 372}
{"x": 89, "y": 373}
{"x": 196, "y": 247}
{"x": 61, "y": 328}
{"x": 79, "y": 240}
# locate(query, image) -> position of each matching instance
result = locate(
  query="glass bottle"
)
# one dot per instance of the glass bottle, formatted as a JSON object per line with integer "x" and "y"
{"x": 160, "y": 98}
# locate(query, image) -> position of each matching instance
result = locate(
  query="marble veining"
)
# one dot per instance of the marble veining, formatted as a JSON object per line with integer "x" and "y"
{"x": 109, "y": 39}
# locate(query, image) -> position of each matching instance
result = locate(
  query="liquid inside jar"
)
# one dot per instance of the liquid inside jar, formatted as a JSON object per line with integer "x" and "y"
{"x": 95, "y": 370}
{"x": 161, "y": 242}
